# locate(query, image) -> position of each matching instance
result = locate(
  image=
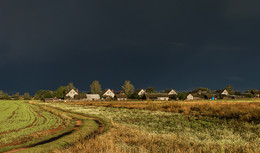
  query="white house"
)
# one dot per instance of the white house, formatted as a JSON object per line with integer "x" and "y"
{"x": 121, "y": 97}
{"x": 93, "y": 97}
{"x": 157, "y": 96}
{"x": 108, "y": 93}
{"x": 172, "y": 92}
{"x": 140, "y": 92}
{"x": 72, "y": 93}
{"x": 190, "y": 97}
{"x": 225, "y": 92}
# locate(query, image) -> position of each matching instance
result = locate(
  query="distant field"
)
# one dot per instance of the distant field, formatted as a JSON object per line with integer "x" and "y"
{"x": 172, "y": 126}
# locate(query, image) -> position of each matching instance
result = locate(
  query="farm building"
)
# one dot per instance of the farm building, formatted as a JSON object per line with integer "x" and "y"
{"x": 170, "y": 92}
{"x": 140, "y": 92}
{"x": 190, "y": 97}
{"x": 222, "y": 92}
{"x": 108, "y": 93}
{"x": 93, "y": 97}
{"x": 157, "y": 96}
{"x": 121, "y": 97}
{"x": 71, "y": 93}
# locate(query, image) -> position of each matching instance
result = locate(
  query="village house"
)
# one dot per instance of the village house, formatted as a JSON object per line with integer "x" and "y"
{"x": 170, "y": 92}
{"x": 157, "y": 96}
{"x": 71, "y": 93}
{"x": 121, "y": 97}
{"x": 120, "y": 92}
{"x": 93, "y": 97}
{"x": 108, "y": 93}
{"x": 140, "y": 92}
{"x": 222, "y": 92}
{"x": 190, "y": 97}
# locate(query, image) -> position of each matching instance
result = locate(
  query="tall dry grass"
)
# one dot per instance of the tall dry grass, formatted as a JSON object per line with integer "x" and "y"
{"x": 122, "y": 139}
{"x": 242, "y": 111}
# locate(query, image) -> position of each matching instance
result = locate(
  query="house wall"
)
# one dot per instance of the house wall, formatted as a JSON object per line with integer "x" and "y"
{"x": 224, "y": 92}
{"x": 172, "y": 92}
{"x": 109, "y": 93}
{"x": 142, "y": 92}
{"x": 163, "y": 98}
{"x": 121, "y": 99}
{"x": 93, "y": 97}
{"x": 190, "y": 97}
{"x": 72, "y": 93}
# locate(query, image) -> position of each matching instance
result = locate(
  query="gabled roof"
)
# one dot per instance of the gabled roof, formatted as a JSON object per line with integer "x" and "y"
{"x": 167, "y": 90}
{"x": 220, "y": 91}
{"x": 106, "y": 91}
{"x": 121, "y": 96}
{"x": 155, "y": 95}
{"x": 120, "y": 92}
{"x": 138, "y": 90}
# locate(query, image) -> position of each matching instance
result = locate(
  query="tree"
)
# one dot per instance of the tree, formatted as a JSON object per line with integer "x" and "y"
{"x": 60, "y": 92}
{"x": 69, "y": 87}
{"x": 16, "y": 96}
{"x": 42, "y": 94}
{"x": 27, "y": 96}
{"x": 7, "y": 97}
{"x": 1, "y": 94}
{"x": 230, "y": 89}
{"x": 203, "y": 89}
{"x": 128, "y": 88}
{"x": 151, "y": 90}
{"x": 95, "y": 87}
{"x": 182, "y": 96}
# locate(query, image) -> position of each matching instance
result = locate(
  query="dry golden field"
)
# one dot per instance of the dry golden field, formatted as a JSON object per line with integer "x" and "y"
{"x": 147, "y": 126}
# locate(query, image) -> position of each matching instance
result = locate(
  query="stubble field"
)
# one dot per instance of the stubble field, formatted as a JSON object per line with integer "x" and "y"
{"x": 172, "y": 126}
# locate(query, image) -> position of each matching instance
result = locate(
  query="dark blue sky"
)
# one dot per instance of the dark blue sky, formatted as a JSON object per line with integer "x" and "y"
{"x": 180, "y": 44}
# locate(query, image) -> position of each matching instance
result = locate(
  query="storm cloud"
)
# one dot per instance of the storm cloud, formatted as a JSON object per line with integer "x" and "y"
{"x": 166, "y": 44}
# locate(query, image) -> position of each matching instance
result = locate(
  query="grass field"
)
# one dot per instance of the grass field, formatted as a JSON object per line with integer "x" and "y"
{"x": 36, "y": 128}
{"x": 172, "y": 126}
{"x": 21, "y": 122}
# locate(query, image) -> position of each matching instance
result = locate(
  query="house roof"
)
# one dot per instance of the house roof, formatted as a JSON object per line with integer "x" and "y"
{"x": 120, "y": 92}
{"x": 167, "y": 90}
{"x": 106, "y": 91}
{"x": 155, "y": 95}
{"x": 138, "y": 90}
{"x": 219, "y": 91}
{"x": 121, "y": 96}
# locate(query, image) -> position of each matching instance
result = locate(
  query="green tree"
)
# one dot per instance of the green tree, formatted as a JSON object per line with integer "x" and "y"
{"x": 27, "y": 96}
{"x": 230, "y": 89}
{"x": 69, "y": 87}
{"x": 182, "y": 96}
{"x": 1, "y": 94}
{"x": 128, "y": 88}
{"x": 42, "y": 94}
{"x": 16, "y": 96}
{"x": 7, "y": 97}
{"x": 60, "y": 92}
{"x": 95, "y": 87}
{"x": 151, "y": 90}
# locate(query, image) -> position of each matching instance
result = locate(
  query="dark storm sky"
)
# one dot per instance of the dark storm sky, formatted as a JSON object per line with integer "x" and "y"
{"x": 180, "y": 44}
